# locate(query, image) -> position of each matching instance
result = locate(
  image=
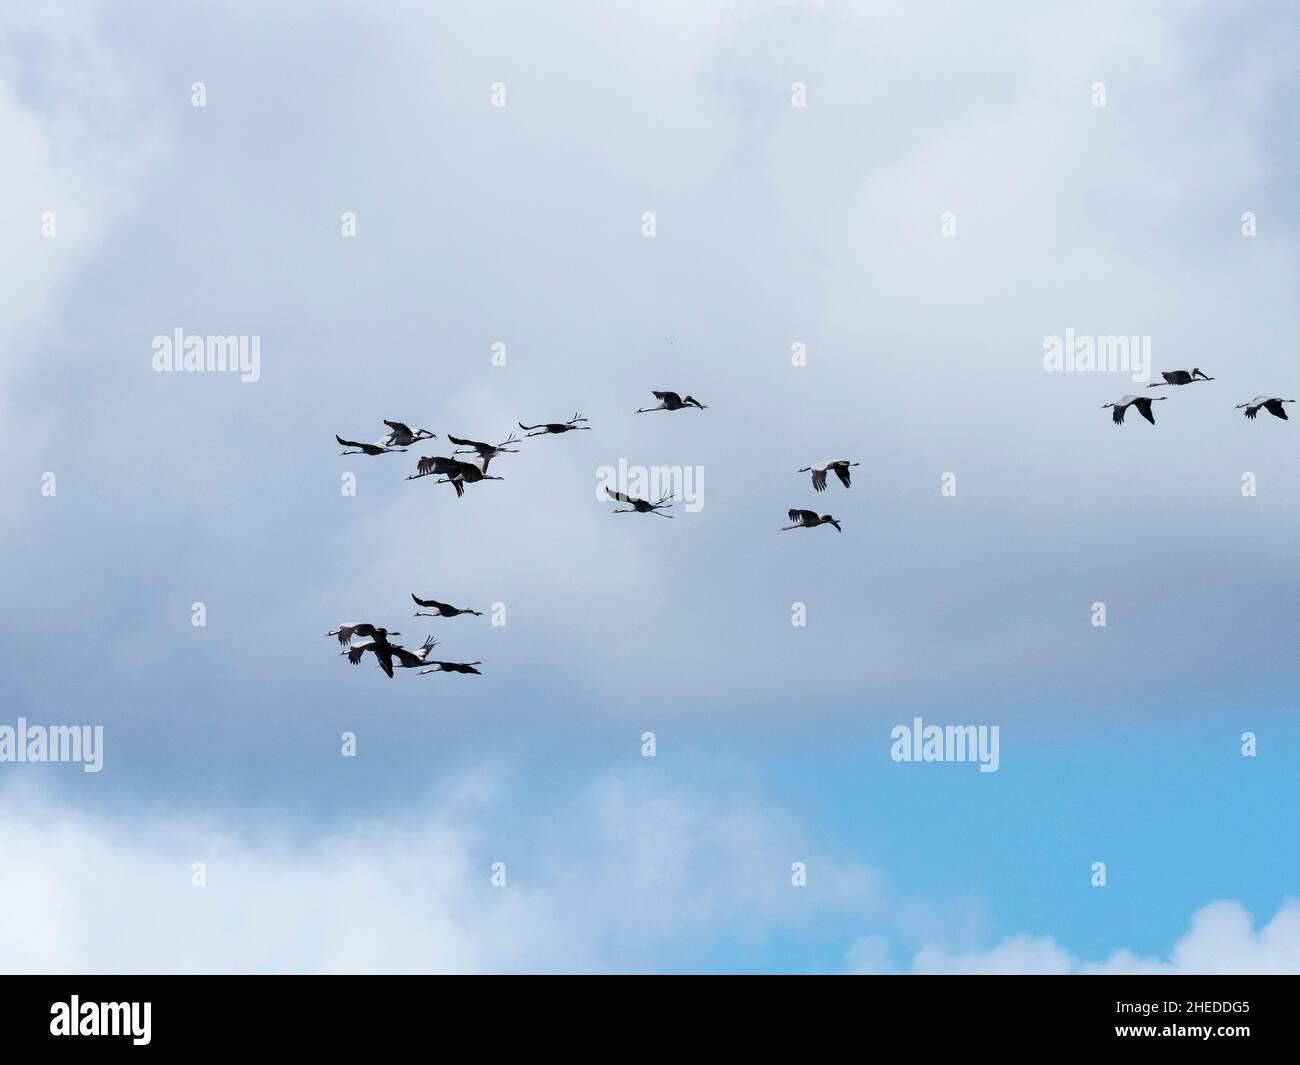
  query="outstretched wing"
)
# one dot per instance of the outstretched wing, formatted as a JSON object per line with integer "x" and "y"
{"x": 1274, "y": 407}
{"x": 385, "y": 656}
{"x": 527, "y": 427}
{"x": 819, "y": 480}
{"x": 1117, "y": 415}
{"x": 622, "y": 497}
{"x": 667, "y": 397}
{"x": 355, "y": 653}
{"x": 842, "y": 472}
{"x": 475, "y": 444}
{"x": 399, "y": 427}
{"x": 436, "y": 464}
{"x": 348, "y": 443}
{"x": 1144, "y": 409}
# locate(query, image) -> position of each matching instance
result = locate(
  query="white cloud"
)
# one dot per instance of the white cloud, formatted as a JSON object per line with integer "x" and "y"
{"x": 629, "y": 870}
{"x": 633, "y": 875}
{"x": 1016, "y": 954}
{"x": 1221, "y": 940}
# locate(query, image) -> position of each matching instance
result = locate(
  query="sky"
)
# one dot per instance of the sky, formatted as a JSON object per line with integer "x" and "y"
{"x": 916, "y": 197}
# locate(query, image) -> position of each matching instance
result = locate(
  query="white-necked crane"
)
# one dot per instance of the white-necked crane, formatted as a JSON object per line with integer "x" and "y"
{"x": 1142, "y": 403}
{"x": 414, "y": 659}
{"x": 1182, "y": 377}
{"x": 1272, "y": 404}
{"x": 452, "y": 667}
{"x": 441, "y": 610}
{"x": 672, "y": 401}
{"x": 639, "y": 506}
{"x": 556, "y": 427}
{"x": 454, "y": 471}
{"x": 486, "y": 452}
{"x": 810, "y": 519}
{"x": 366, "y": 449}
{"x": 402, "y": 436}
{"x": 819, "y": 471}
{"x": 363, "y": 629}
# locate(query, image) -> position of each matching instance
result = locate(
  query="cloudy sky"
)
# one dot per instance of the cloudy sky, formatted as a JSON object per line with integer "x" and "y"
{"x": 774, "y": 225}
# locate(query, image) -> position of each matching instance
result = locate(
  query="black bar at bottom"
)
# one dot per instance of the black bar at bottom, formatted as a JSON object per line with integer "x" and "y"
{"x": 339, "y": 1013}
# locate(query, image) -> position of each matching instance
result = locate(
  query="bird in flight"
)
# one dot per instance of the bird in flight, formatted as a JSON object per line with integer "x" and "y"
{"x": 366, "y": 449}
{"x": 453, "y": 471}
{"x": 487, "y": 452}
{"x": 363, "y": 629}
{"x": 1142, "y": 403}
{"x": 414, "y": 659}
{"x": 1182, "y": 377}
{"x": 1270, "y": 403}
{"x": 452, "y": 667}
{"x": 672, "y": 401}
{"x": 379, "y": 647}
{"x": 556, "y": 427}
{"x": 808, "y": 519}
{"x": 402, "y": 436}
{"x": 819, "y": 471}
{"x": 638, "y": 506}
{"x": 441, "y": 610}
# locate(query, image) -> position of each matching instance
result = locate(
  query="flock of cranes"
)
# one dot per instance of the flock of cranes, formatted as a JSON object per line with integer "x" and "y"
{"x": 389, "y": 655}
{"x": 458, "y": 471}
{"x": 468, "y": 464}
{"x": 1142, "y": 404}
{"x": 810, "y": 519}
{"x": 469, "y": 461}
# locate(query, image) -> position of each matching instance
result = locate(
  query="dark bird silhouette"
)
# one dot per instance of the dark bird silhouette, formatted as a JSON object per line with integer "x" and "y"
{"x": 808, "y": 519}
{"x": 486, "y": 452}
{"x": 441, "y": 610}
{"x": 363, "y": 629}
{"x": 638, "y": 506}
{"x": 1181, "y": 377}
{"x": 379, "y": 647}
{"x": 402, "y": 436}
{"x": 414, "y": 659}
{"x": 1270, "y": 403}
{"x": 556, "y": 427}
{"x": 365, "y": 449}
{"x": 1142, "y": 403}
{"x": 452, "y": 667}
{"x": 672, "y": 401}
{"x": 454, "y": 471}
